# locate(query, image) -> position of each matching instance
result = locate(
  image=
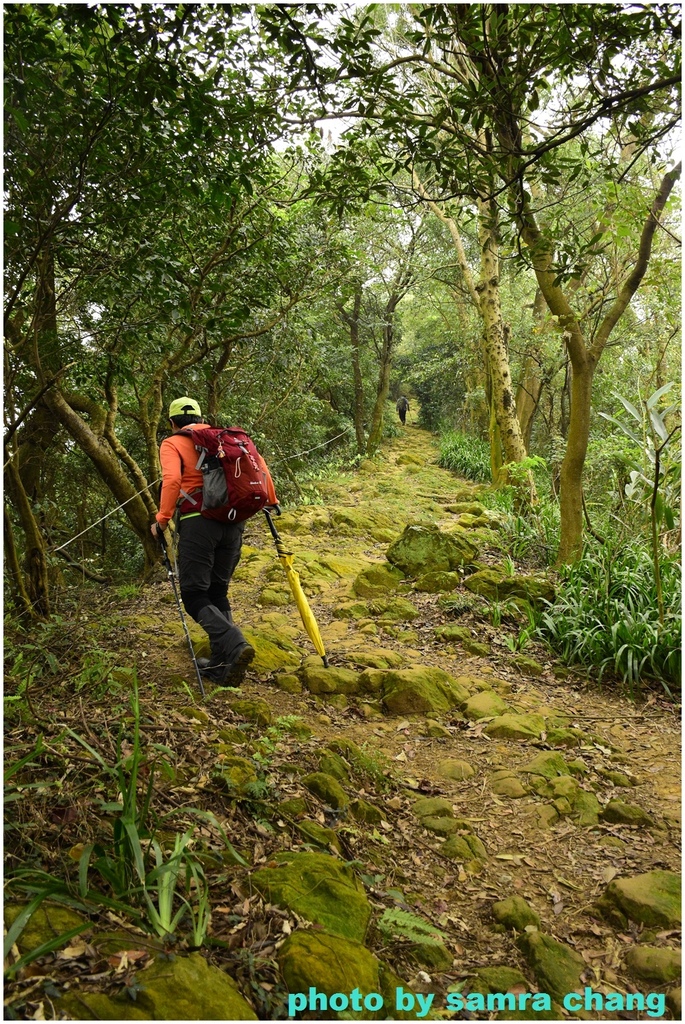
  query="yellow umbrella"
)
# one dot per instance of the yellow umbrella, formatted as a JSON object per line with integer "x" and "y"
{"x": 308, "y": 620}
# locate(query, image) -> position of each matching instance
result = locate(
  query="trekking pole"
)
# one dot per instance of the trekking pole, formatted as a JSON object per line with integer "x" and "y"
{"x": 172, "y": 581}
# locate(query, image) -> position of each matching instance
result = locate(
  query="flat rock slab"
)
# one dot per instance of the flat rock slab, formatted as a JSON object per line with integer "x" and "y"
{"x": 453, "y": 768}
{"x": 320, "y": 889}
{"x": 421, "y": 689}
{"x": 328, "y": 963}
{"x": 654, "y": 963}
{"x": 516, "y": 727}
{"x": 484, "y": 705}
{"x": 653, "y": 898}
{"x": 557, "y": 967}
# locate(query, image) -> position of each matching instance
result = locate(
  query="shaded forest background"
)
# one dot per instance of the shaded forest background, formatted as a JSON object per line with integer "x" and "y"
{"x": 296, "y": 213}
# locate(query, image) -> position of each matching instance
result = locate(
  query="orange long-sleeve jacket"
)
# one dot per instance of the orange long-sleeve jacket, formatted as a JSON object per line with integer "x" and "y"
{"x": 178, "y": 457}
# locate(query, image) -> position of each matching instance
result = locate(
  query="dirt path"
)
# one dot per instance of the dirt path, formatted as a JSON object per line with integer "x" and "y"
{"x": 535, "y": 845}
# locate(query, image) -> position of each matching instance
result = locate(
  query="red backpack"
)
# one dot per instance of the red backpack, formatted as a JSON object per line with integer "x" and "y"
{"x": 236, "y": 482}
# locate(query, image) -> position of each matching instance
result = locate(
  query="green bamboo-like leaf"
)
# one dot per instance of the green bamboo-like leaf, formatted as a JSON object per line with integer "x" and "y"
{"x": 626, "y": 430}
{"x": 653, "y": 399}
{"x": 658, "y": 425}
{"x": 629, "y": 407}
{"x": 47, "y": 947}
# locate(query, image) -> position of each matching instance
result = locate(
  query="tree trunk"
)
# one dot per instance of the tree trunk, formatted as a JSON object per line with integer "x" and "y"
{"x": 376, "y": 431}
{"x": 528, "y": 396}
{"x": 357, "y": 374}
{"x": 36, "y": 570}
{"x": 14, "y": 573}
{"x": 495, "y": 344}
{"x": 571, "y": 545}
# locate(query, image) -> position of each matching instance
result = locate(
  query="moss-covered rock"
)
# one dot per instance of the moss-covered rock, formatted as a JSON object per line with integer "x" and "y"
{"x": 182, "y": 988}
{"x": 415, "y": 690}
{"x": 557, "y": 967}
{"x": 377, "y": 580}
{"x": 565, "y": 737}
{"x": 396, "y": 609}
{"x": 294, "y": 807}
{"x": 516, "y": 727}
{"x": 464, "y": 848}
{"x": 453, "y": 634}
{"x": 496, "y": 585}
{"x": 320, "y": 680}
{"x": 362, "y": 810}
{"x": 378, "y": 658}
{"x": 440, "y": 826}
{"x": 329, "y": 964}
{"x": 351, "y": 610}
{"x": 485, "y": 704}
{"x": 271, "y": 597}
{"x": 469, "y": 508}
{"x": 255, "y": 710}
{"x": 528, "y": 665}
{"x": 289, "y": 683}
{"x": 549, "y": 764}
{"x": 327, "y": 789}
{"x": 653, "y": 898}
{"x": 45, "y": 924}
{"x": 424, "y": 549}
{"x": 432, "y": 806}
{"x": 619, "y": 813}
{"x": 654, "y": 963}
{"x": 515, "y": 913}
{"x": 437, "y": 582}
{"x": 335, "y": 765}
{"x": 507, "y": 783}
{"x": 547, "y": 816}
{"x": 320, "y": 889}
{"x": 454, "y": 769}
{"x": 235, "y": 776}
{"x": 318, "y": 834}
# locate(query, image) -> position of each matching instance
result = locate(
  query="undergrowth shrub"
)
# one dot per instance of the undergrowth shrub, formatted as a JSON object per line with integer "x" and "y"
{"x": 606, "y": 616}
{"x": 466, "y": 455}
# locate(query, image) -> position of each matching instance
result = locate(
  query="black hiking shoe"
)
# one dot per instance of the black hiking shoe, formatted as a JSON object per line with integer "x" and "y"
{"x": 202, "y": 663}
{"x": 236, "y": 670}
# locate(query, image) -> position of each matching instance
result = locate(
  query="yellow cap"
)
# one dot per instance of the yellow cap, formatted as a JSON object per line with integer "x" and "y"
{"x": 184, "y": 407}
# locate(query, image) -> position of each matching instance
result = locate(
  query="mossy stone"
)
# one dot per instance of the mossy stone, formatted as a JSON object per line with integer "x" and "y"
{"x": 454, "y": 769}
{"x": 351, "y": 610}
{"x": 549, "y": 764}
{"x": 256, "y": 710}
{"x": 515, "y": 913}
{"x": 464, "y": 848}
{"x": 654, "y": 963}
{"x": 486, "y": 704}
{"x": 327, "y": 789}
{"x": 421, "y": 689}
{"x": 232, "y": 736}
{"x": 362, "y": 810}
{"x": 378, "y": 658}
{"x": 273, "y": 598}
{"x": 437, "y": 731}
{"x": 453, "y": 634}
{"x": 476, "y": 647}
{"x": 516, "y": 727}
{"x": 614, "y": 842}
{"x": 333, "y": 764}
{"x": 423, "y": 549}
{"x": 377, "y": 580}
{"x": 397, "y": 609}
{"x": 557, "y": 967}
{"x": 497, "y": 979}
{"x": 653, "y": 898}
{"x": 547, "y": 816}
{"x": 322, "y": 890}
{"x": 295, "y": 806}
{"x": 565, "y": 786}
{"x": 182, "y": 988}
{"x": 506, "y": 783}
{"x": 235, "y": 775}
{"x": 495, "y": 584}
{"x": 320, "y": 680}
{"x": 437, "y": 582}
{"x": 619, "y": 813}
{"x": 289, "y": 683}
{"x": 432, "y": 806}
{"x": 565, "y": 737}
{"x": 674, "y": 1001}
{"x": 469, "y": 508}
{"x": 528, "y": 665}
{"x": 440, "y": 826}
{"x": 329, "y": 964}
{"x": 46, "y": 923}
{"x": 319, "y": 834}
{"x": 618, "y": 779}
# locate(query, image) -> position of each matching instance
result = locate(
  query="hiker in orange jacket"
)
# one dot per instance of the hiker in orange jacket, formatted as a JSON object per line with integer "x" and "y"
{"x": 208, "y": 551}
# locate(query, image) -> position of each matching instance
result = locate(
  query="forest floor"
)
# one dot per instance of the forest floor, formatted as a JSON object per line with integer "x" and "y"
{"x": 534, "y": 846}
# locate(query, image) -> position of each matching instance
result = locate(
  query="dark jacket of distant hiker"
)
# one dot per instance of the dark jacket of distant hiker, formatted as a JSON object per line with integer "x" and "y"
{"x": 402, "y": 408}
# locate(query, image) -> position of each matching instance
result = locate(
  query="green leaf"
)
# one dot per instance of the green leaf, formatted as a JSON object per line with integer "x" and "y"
{"x": 658, "y": 424}
{"x": 629, "y": 407}
{"x": 653, "y": 399}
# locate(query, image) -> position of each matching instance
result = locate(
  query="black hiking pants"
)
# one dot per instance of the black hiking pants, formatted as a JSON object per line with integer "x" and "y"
{"x": 403, "y": 416}
{"x": 208, "y": 552}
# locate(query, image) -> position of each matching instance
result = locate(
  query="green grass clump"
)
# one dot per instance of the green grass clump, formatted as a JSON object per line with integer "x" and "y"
{"x": 469, "y": 456}
{"x": 606, "y": 616}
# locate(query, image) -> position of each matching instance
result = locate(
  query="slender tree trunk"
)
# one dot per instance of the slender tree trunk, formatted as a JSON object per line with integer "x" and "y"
{"x": 376, "y": 431}
{"x": 351, "y": 319}
{"x": 14, "y": 573}
{"x": 36, "y": 569}
{"x": 528, "y": 396}
{"x": 571, "y": 545}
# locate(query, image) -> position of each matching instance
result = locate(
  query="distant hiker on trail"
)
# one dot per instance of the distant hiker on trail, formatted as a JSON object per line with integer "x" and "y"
{"x": 402, "y": 408}
{"x": 208, "y": 550}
